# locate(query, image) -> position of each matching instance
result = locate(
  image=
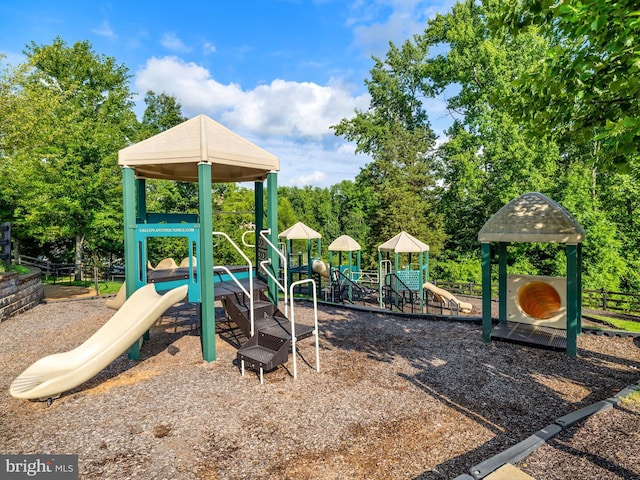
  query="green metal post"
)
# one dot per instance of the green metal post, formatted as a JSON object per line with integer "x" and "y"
{"x": 426, "y": 266}
{"x": 502, "y": 281}
{"x": 272, "y": 225}
{"x": 131, "y": 260}
{"x": 258, "y": 193}
{"x": 141, "y": 215}
{"x": 572, "y": 300}
{"x": 380, "y": 279}
{"x": 579, "y": 289}
{"x": 421, "y": 281}
{"x": 204, "y": 264}
{"x": 309, "y": 268}
{"x": 395, "y": 287}
{"x": 141, "y": 199}
{"x": 288, "y": 250}
{"x": 486, "y": 292}
{"x": 130, "y": 250}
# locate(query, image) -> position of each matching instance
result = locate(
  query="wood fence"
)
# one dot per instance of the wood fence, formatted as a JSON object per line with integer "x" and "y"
{"x": 66, "y": 271}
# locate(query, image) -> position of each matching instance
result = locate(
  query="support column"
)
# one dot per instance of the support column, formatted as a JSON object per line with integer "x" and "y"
{"x": 572, "y": 300}
{"x": 141, "y": 199}
{"x": 205, "y": 264}
{"x": 579, "y": 313}
{"x": 486, "y": 292}
{"x": 272, "y": 225}
{"x": 381, "y": 281}
{"x": 129, "y": 206}
{"x": 258, "y": 194}
{"x": 502, "y": 281}
{"x": 131, "y": 260}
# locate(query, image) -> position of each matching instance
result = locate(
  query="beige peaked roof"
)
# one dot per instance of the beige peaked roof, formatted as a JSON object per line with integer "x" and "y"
{"x": 404, "y": 243}
{"x": 344, "y": 243}
{"x": 175, "y": 153}
{"x": 299, "y": 231}
{"x": 532, "y": 217}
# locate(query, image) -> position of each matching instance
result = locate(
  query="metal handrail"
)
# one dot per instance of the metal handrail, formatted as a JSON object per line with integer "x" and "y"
{"x": 315, "y": 324}
{"x": 244, "y": 241}
{"x": 263, "y": 234}
{"x": 233, "y": 277}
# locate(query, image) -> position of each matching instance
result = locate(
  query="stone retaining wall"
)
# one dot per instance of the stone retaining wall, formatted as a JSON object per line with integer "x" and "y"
{"x": 19, "y": 293}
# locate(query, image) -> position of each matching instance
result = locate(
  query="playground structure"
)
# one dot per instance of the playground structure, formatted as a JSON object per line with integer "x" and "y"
{"x": 251, "y": 296}
{"x": 203, "y": 151}
{"x": 392, "y": 287}
{"x": 299, "y": 264}
{"x": 536, "y": 310}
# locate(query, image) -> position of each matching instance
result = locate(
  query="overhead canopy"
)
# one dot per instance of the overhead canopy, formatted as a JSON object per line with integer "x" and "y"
{"x": 299, "y": 231}
{"x": 404, "y": 243}
{"x": 532, "y": 217}
{"x": 175, "y": 154}
{"x": 344, "y": 243}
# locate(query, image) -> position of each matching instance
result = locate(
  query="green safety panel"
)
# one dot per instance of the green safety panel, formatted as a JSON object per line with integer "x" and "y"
{"x": 190, "y": 232}
{"x": 411, "y": 278}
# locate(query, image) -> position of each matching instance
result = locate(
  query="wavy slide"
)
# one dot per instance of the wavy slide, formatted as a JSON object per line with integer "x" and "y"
{"x": 50, "y": 376}
{"x": 443, "y": 294}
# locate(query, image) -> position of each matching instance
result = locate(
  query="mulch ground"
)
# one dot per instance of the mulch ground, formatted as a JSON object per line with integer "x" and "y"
{"x": 395, "y": 398}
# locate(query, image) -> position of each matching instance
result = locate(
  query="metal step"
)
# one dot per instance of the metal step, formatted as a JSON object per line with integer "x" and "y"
{"x": 265, "y": 351}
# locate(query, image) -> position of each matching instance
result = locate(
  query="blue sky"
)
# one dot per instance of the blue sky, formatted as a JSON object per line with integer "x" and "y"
{"x": 278, "y": 72}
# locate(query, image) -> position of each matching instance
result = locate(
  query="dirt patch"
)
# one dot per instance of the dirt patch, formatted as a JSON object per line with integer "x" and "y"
{"x": 66, "y": 292}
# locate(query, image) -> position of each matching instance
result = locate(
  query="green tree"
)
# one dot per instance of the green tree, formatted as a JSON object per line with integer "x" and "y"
{"x": 65, "y": 160}
{"x": 586, "y": 86}
{"x": 162, "y": 112}
{"x": 396, "y": 133}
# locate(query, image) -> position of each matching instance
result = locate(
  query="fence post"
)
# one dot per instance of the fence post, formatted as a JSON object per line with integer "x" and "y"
{"x": 5, "y": 242}
{"x": 604, "y": 299}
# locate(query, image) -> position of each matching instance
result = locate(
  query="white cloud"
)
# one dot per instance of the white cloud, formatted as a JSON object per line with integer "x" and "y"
{"x": 374, "y": 27}
{"x": 313, "y": 178}
{"x": 190, "y": 83}
{"x": 289, "y": 119}
{"x": 104, "y": 30}
{"x": 298, "y": 110}
{"x": 208, "y": 48}
{"x": 170, "y": 41}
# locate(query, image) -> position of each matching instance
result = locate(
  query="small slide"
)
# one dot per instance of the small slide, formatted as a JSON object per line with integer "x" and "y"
{"x": 57, "y": 373}
{"x": 116, "y": 302}
{"x": 321, "y": 268}
{"x": 464, "y": 307}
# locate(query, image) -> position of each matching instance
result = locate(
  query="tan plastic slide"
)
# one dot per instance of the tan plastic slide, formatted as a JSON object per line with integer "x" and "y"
{"x": 57, "y": 373}
{"x": 321, "y": 268}
{"x": 116, "y": 302}
{"x": 443, "y": 294}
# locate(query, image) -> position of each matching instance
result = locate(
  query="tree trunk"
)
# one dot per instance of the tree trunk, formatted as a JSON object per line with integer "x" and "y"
{"x": 79, "y": 244}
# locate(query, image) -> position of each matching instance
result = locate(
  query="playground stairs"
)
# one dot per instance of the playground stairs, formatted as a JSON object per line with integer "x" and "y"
{"x": 270, "y": 344}
{"x": 345, "y": 290}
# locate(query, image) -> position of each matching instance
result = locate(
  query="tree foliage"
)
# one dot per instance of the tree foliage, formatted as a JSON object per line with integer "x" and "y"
{"x": 66, "y": 113}
{"x": 585, "y": 88}
{"x": 397, "y": 134}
